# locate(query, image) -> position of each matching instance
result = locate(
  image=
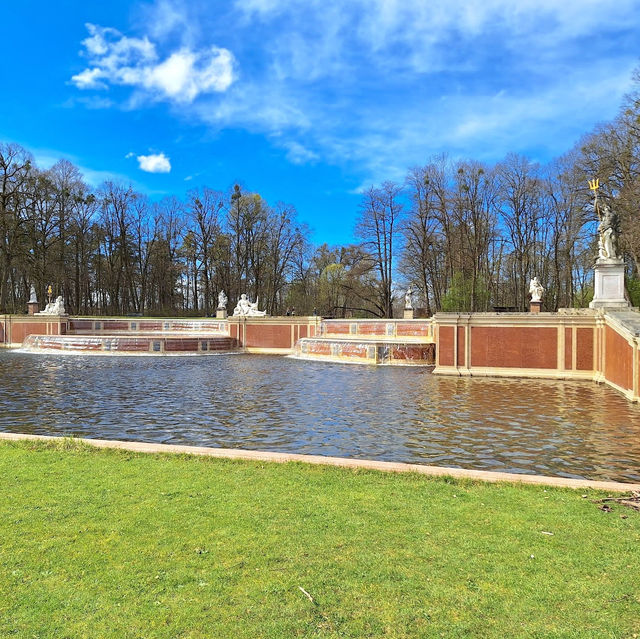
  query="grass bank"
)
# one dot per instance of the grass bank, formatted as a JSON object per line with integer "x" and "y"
{"x": 103, "y": 543}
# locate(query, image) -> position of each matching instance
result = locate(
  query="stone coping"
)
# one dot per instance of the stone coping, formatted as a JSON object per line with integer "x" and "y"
{"x": 345, "y": 462}
{"x": 375, "y": 320}
{"x": 146, "y": 334}
{"x": 627, "y": 321}
{"x": 370, "y": 339}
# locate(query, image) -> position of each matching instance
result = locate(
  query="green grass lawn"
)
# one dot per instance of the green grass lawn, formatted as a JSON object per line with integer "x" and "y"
{"x": 102, "y": 543}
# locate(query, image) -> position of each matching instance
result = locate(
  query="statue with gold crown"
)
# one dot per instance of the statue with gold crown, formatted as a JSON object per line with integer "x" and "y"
{"x": 608, "y": 288}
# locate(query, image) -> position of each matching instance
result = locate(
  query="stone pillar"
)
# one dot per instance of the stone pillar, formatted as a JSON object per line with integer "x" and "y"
{"x": 408, "y": 313}
{"x": 608, "y": 289}
{"x": 33, "y": 307}
{"x": 221, "y": 313}
{"x": 534, "y": 307}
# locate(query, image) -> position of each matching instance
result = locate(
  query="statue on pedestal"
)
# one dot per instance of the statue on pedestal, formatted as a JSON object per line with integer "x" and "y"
{"x": 608, "y": 285}
{"x": 608, "y": 228}
{"x": 222, "y": 300}
{"x": 609, "y": 231}
{"x": 536, "y": 290}
{"x": 408, "y": 299}
{"x": 245, "y": 308}
{"x": 33, "y": 298}
{"x": 54, "y": 308}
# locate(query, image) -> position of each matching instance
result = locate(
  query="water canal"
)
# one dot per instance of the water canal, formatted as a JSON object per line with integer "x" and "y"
{"x": 567, "y": 429}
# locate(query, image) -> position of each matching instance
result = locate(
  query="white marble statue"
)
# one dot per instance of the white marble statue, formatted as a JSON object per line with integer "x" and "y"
{"x": 608, "y": 231}
{"x": 222, "y": 300}
{"x": 54, "y": 308}
{"x": 245, "y": 308}
{"x": 536, "y": 290}
{"x": 408, "y": 299}
{"x": 33, "y": 299}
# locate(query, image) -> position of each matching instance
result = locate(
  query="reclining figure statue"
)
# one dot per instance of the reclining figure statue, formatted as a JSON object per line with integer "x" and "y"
{"x": 245, "y": 308}
{"x": 54, "y": 308}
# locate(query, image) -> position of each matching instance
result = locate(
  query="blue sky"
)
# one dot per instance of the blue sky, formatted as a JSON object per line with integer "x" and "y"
{"x": 307, "y": 102}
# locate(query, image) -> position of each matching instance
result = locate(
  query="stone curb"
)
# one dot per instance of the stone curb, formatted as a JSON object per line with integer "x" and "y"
{"x": 395, "y": 467}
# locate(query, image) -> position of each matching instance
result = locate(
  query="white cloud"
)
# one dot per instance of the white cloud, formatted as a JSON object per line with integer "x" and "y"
{"x": 181, "y": 77}
{"x": 380, "y": 85}
{"x": 154, "y": 163}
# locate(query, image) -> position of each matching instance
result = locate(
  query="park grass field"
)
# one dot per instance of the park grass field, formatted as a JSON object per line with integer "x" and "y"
{"x": 105, "y": 543}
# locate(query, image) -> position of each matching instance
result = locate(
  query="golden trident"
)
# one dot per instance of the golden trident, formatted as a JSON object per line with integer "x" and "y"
{"x": 594, "y": 185}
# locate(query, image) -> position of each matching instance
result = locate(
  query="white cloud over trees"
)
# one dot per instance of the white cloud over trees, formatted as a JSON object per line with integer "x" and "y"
{"x": 379, "y": 84}
{"x": 154, "y": 163}
{"x": 182, "y": 76}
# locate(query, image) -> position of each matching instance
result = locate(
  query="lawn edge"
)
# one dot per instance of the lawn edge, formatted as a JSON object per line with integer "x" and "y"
{"x": 343, "y": 462}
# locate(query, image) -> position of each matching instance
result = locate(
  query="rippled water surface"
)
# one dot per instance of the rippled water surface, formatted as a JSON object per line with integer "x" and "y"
{"x": 405, "y": 414}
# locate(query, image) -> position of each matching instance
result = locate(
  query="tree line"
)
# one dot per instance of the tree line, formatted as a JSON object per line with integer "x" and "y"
{"x": 467, "y": 235}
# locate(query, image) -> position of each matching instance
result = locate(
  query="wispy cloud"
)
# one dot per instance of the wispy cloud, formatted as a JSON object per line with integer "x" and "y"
{"x": 298, "y": 154}
{"x": 180, "y": 77}
{"x": 380, "y": 85}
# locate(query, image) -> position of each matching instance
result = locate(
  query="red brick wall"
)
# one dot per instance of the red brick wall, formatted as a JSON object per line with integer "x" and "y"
{"x": 20, "y": 330}
{"x": 181, "y": 344}
{"x": 416, "y": 329}
{"x": 514, "y": 346}
{"x": 584, "y": 349}
{"x": 80, "y": 325}
{"x": 134, "y": 343}
{"x": 445, "y": 345}
{"x": 320, "y": 348}
{"x": 372, "y": 328}
{"x": 618, "y": 365}
{"x": 268, "y": 336}
{"x": 336, "y": 328}
{"x": 149, "y": 326}
{"x": 418, "y": 352}
{"x": 353, "y": 350}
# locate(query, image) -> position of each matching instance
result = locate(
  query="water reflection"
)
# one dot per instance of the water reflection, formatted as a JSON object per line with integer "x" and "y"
{"x": 568, "y": 429}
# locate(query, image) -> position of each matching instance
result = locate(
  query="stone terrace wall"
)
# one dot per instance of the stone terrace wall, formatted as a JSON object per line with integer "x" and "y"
{"x": 14, "y": 329}
{"x": 618, "y": 352}
{"x": 111, "y": 325}
{"x": 414, "y": 330}
{"x": 584, "y": 345}
{"x": 276, "y": 335}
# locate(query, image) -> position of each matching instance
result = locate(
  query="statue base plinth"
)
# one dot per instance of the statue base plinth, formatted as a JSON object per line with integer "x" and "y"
{"x": 415, "y": 313}
{"x": 33, "y": 308}
{"x": 608, "y": 289}
{"x": 221, "y": 313}
{"x": 535, "y": 307}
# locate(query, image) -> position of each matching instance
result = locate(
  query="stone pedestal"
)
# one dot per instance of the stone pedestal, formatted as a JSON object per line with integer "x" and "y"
{"x": 608, "y": 289}
{"x": 221, "y": 313}
{"x": 534, "y": 307}
{"x": 415, "y": 313}
{"x": 33, "y": 308}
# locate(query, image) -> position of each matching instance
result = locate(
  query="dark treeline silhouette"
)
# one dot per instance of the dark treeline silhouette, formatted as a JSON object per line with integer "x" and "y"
{"x": 469, "y": 236}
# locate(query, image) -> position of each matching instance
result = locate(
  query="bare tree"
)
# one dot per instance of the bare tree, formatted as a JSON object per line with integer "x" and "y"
{"x": 378, "y": 226}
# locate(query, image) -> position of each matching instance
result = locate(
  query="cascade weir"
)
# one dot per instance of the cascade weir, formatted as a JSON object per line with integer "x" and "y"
{"x": 390, "y": 342}
{"x": 602, "y": 345}
{"x": 123, "y": 336}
